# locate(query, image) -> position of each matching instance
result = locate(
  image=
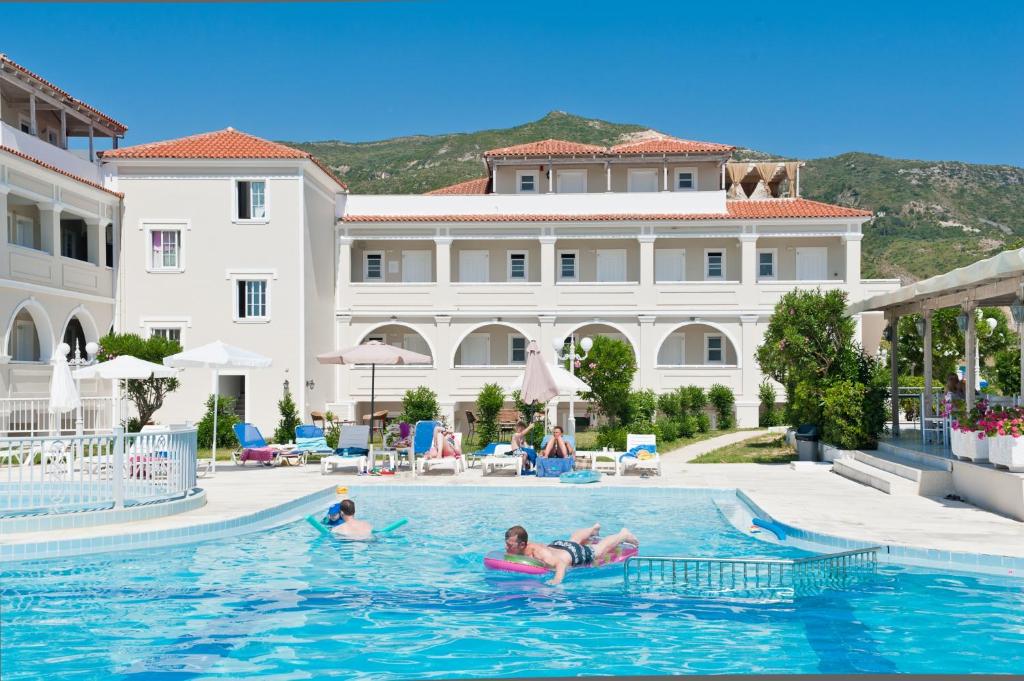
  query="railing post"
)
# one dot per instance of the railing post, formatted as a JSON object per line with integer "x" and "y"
{"x": 118, "y": 477}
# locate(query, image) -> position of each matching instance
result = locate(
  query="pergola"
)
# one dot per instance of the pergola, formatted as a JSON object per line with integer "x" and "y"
{"x": 996, "y": 281}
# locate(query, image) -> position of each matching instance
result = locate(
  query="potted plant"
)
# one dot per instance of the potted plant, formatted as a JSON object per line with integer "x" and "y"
{"x": 970, "y": 431}
{"x": 1007, "y": 447}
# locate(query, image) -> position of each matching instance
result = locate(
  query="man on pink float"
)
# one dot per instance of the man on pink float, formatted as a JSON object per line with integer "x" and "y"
{"x": 560, "y": 555}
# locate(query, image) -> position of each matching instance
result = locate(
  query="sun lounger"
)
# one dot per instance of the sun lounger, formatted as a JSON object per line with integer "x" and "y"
{"x": 641, "y": 455}
{"x": 352, "y": 451}
{"x": 456, "y": 464}
{"x": 501, "y": 458}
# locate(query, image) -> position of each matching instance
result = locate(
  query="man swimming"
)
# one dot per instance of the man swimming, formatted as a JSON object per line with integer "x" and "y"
{"x": 560, "y": 555}
{"x": 350, "y": 528}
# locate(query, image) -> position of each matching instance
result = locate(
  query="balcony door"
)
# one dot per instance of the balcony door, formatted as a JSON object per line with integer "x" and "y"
{"x": 416, "y": 266}
{"x": 611, "y": 264}
{"x": 476, "y": 349}
{"x": 474, "y": 266}
{"x": 812, "y": 264}
{"x": 571, "y": 181}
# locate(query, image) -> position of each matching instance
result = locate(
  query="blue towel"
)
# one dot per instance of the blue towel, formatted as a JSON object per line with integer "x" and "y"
{"x": 351, "y": 451}
{"x": 632, "y": 454}
{"x": 311, "y": 444}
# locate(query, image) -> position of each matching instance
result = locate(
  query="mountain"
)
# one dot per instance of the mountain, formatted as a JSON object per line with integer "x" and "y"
{"x": 930, "y": 216}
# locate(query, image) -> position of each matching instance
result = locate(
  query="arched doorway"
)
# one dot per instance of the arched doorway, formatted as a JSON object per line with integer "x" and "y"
{"x": 23, "y": 343}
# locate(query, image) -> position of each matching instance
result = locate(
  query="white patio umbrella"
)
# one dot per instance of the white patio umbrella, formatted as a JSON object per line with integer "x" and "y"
{"x": 125, "y": 367}
{"x": 63, "y": 392}
{"x": 373, "y": 353}
{"x": 566, "y": 383}
{"x": 217, "y": 355}
{"x": 541, "y": 382}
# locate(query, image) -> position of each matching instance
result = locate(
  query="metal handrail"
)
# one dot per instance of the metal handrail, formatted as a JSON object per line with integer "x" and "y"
{"x": 752, "y": 576}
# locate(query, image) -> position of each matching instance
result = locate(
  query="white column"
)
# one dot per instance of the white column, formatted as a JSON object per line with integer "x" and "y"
{"x": 49, "y": 226}
{"x": 648, "y": 353}
{"x": 852, "y": 243}
{"x": 445, "y": 379}
{"x": 608, "y": 176}
{"x": 343, "y": 272}
{"x": 64, "y": 128}
{"x": 342, "y": 373}
{"x": 443, "y": 255}
{"x": 32, "y": 128}
{"x": 664, "y": 176}
{"x": 748, "y": 263}
{"x": 547, "y": 335}
{"x": 92, "y": 147}
{"x": 926, "y": 351}
{"x": 547, "y": 264}
{"x": 92, "y": 240}
{"x": 5, "y": 262}
{"x": 551, "y": 177}
{"x": 646, "y": 260}
{"x": 747, "y": 402}
{"x": 494, "y": 178}
{"x": 970, "y": 352}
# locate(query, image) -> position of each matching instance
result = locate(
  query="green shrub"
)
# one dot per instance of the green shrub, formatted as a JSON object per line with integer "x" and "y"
{"x": 641, "y": 406}
{"x": 612, "y": 437}
{"x": 769, "y": 416}
{"x": 226, "y": 419}
{"x": 843, "y": 415}
{"x": 419, "y": 404}
{"x": 132, "y": 425}
{"x": 667, "y": 430}
{"x": 723, "y": 401}
{"x": 668, "y": 405}
{"x": 488, "y": 404}
{"x": 703, "y": 422}
{"x": 641, "y": 426}
{"x": 687, "y": 425}
{"x": 528, "y": 413}
{"x": 332, "y": 432}
{"x": 695, "y": 399}
{"x": 804, "y": 405}
{"x": 608, "y": 370}
{"x": 285, "y": 431}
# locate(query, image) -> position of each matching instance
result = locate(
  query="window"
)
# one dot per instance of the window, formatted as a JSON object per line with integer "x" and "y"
{"x": 109, "y": 243}
{"x": 252, "y": 299}
{"x": 74, "y": 240}
{"x": 52, "y": 136}
{"x": 567, "y": 266}
{"x": 517, "y": 266}
{"x": 252, "y": 199}
{"x": 165, "y": 250}
{"x": 766, "y": 264}
{"x": 642, "y": 180}
{"x": 171, "y": 333}
{"x": 714, "y": 352}
{"x": 25, "y": 123}
{"x": 714, "y": 264}
{"x": 571, "y": 181}
{"x": 516, "y": 350}
{"x": 685, "y": 179}
{"x": 373, "y": 266}
{"x": 526, "y": 182}
{"x": 21, "y": 230}
{"x": 670, "y": 264}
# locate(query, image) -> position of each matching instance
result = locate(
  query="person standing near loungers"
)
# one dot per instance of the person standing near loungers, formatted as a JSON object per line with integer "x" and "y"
{"x": 560, "y": 555}
{"x": 519, "y": 443}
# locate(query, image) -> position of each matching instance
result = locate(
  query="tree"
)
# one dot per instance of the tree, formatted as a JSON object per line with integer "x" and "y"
{"x": 948, "y": 342}
{"x": 146, "y": 394}
{"x": 419, "y": 404}
{"x": 529, "y": 412}
{"x": 488, "y": 404}
{"x": 285, "y": 431}
{"x": 226, "y": 420}
{"x": 1006, "y": 370}
{"x": 608, "y": 370}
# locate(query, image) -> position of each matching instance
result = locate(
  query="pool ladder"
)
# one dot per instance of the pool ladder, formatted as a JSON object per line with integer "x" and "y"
{"x": 752, "y": 577}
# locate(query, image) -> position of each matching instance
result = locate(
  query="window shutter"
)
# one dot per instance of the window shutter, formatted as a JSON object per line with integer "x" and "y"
{"x": 241, "y": 299}
{"x": 243, "y": 201}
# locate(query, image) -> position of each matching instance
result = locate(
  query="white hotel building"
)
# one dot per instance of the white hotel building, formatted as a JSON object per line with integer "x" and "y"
{"x": 228, "y": 236}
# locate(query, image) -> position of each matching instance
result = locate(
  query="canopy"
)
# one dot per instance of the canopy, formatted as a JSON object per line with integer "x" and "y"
{"x": 63, "y": 393}
{"x": 567, "y": 383}
{"x": 217, "y": 355}
{"x": 373, "y": 352}
{"x": 123, "y": 367}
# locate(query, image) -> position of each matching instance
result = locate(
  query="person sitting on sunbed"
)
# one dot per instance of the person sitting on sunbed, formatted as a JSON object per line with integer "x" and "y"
{"x": 351, "y": 528}
{"x": 560, "y": 555}
{"x": 558, "y": 447}
{"x": 443, "y": 444}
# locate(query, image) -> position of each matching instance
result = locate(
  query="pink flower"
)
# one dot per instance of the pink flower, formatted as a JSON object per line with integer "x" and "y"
{"x": 577, "y": 364}
{"x": 593, "y": 365}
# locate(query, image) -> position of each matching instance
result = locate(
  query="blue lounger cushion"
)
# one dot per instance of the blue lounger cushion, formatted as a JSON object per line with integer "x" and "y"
{"x": 312, "y": 444}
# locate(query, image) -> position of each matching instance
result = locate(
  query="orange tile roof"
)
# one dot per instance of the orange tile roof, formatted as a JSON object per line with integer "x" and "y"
{"x": 481, "y": 185}
{"x": 55, "y": 169}
{"x": 220, "y": 144}
{"x": 546, "y": 148}
{"x": 670, "y": 145}
{"x": 68, "y": 99}
{"x": 735, "y": 210}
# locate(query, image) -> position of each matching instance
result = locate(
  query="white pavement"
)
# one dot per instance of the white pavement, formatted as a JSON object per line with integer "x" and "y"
{"x": 812, "y": 499}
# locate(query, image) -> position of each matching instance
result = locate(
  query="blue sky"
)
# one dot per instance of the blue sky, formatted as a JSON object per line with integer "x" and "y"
{"x": 922, "y": 80}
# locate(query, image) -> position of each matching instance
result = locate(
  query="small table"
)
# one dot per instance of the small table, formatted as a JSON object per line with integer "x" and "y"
{"x": 389, "y": 456}
{"x": 585, "y": 459}
{"x": 610, "y": 467}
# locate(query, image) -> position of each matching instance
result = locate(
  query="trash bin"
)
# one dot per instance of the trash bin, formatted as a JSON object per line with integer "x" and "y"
{"x": 807, "y": 442}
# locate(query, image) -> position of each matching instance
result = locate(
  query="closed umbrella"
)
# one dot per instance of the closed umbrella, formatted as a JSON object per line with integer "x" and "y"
{"x": 217, "y": 355}
{"x": 537, "y": 384}
{"x": 373, "y": 353}
{"x": 63, "y": 392}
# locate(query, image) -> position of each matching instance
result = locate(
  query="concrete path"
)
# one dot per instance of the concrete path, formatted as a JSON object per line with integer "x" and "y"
{"x": 691, "y": 452}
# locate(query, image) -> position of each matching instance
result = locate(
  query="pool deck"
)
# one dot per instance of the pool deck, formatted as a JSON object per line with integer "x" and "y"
{"x": 809, "y": 497}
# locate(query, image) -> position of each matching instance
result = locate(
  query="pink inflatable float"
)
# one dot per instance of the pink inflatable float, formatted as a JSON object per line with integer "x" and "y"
{"x": 506, "y": 562}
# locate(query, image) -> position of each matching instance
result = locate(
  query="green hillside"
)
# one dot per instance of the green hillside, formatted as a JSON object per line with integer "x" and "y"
{"x": 931, "y": 216}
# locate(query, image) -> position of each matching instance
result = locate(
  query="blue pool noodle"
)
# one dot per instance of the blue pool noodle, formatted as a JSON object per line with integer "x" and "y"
{"x": 778, "y": 530}
{"x": 323, "y": 529}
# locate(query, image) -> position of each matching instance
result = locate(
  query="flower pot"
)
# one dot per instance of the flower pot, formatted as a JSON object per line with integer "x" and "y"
{"x": 1008, "y": 452}
{"x": 956, "y": 442}
{"x": 969, "y": 446}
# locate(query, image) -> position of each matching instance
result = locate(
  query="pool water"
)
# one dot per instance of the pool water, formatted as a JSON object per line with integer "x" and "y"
{"x": 291, "y": 604}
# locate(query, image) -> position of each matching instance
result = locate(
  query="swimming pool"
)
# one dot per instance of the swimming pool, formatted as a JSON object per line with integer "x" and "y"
{"x": 290, "y": 603}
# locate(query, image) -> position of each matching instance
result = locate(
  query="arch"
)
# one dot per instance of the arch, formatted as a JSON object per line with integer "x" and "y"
{"x": 714, "y": 325}
{"x": 416, "y": 330}
{"x": 602, "y": 322}
{"x": 87, "y": 321}
{"x": 44, "y": 328}
{"x": 458, "y": 343}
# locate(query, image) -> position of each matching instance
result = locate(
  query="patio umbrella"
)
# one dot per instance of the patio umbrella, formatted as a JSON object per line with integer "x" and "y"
{"x": 217, "y": 355}
{"x": 567, "y": 383}
{"x": 373, "y": 353}
{"x": 537, "y": 383}
{"x": 125, "y": 367}
{"x": 63, "y": 392}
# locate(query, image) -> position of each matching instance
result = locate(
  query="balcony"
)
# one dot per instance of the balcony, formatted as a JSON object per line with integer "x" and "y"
{"x": 42, "y": 150}
{"x": 653, "y": 203}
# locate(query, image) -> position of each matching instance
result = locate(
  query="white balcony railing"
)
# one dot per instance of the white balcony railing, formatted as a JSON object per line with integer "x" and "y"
{"x": 42, "y": 150}
{"x": 646, "y": 203}
{"x": 31, "y": 416}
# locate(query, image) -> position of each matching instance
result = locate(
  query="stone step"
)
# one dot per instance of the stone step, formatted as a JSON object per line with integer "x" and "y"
{"x": 931, "y": 477}
{"x": 866, "y": 474}
{"x": 940, "y": 460}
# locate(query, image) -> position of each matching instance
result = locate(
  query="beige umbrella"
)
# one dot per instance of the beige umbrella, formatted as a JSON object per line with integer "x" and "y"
{"x": 538, "y": 383}
{"x": 373, "y": 353}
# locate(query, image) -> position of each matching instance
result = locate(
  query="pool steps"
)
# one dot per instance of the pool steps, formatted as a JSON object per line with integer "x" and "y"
{"x": 898, "y": 471}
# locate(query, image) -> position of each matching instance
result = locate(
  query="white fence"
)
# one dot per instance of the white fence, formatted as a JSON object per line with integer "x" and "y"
{"x": 91, "y": 472}
{"x": 27, "y": 416}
